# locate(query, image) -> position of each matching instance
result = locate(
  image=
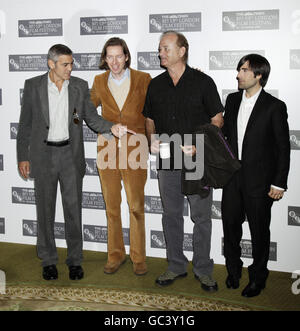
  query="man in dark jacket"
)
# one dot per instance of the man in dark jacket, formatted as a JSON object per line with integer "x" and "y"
{"x": 256, "y": 127}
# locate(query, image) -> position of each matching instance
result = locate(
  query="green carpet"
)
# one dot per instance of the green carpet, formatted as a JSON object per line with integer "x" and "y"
{"x": 124, "y": 289}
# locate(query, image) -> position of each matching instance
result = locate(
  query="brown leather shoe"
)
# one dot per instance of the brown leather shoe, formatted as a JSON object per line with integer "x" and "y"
{"x": 140, "y": 268}
{"x": 111, "y": 268}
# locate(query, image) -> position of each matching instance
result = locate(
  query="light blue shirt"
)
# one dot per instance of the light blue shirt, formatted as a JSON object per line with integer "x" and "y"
{"x": 117, "y": 81}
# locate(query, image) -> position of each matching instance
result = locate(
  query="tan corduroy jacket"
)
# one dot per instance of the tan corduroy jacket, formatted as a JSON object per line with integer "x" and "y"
{"x": 131, "y": 112}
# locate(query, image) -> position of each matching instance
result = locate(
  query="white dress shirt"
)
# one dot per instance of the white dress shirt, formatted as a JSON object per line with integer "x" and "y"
{"x": 58, "y": 111}
{"x": 245, "y": 111}
{"x": 244, "y": 114}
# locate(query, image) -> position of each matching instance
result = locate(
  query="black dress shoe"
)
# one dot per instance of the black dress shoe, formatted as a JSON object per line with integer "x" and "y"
{"x": 75, "y": 272}
{"x": 232, "y": 282}
{"x": 50, "y": 272}
{"x": 252, "y": 290}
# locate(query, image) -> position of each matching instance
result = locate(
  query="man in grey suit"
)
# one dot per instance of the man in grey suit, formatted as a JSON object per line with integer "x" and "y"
{"x": 50, "y": 149}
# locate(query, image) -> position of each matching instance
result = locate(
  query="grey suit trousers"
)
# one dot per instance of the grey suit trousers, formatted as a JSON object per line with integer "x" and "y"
{"x": 61, "y": 168}
{"x": 173, "y": 225}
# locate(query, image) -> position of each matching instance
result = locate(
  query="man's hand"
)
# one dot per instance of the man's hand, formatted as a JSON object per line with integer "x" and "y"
{"x": 119, "y": 130}
{"x": 154, "y": 148}
{"x": 24, "y": 169}
{"x": 189, "y": 150}
{"x": 275, "y": 193}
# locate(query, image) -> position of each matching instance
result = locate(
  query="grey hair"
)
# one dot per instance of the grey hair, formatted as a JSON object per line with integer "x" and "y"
{"x": 57, "y": 50}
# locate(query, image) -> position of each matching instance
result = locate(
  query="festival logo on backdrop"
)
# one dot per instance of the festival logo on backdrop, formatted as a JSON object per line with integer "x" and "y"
{"x": 28, "y": 62}
{"x": 181, "y": 22}
{"x": 148, "y": 61}
{"x": 93, "y": 200}
{"x": 103, "y": 25}
{"x": 40, "y": 28}
{"x": 86, "y": 61}
{"x": 250, "y": 20}
{"x": 91, "y": 167}
{"x": 295, "y": 59}
{"x": 228, "y": 60}
{"x": 23, "y": 195}
{"x": 294, "y": 215}
{"x": 158, "y": 240}
{"x": 295, "y": 139}
{"x": 246, "y": 247}
{"x": 2, "y": 225}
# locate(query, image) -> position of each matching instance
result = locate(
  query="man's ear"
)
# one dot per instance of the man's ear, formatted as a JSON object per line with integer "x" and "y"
{"x": 182, "y": 51}
{"x": 51, "y": 64}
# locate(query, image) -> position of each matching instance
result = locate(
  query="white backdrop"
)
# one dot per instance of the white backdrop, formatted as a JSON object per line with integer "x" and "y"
{"x": 219, "y": 33}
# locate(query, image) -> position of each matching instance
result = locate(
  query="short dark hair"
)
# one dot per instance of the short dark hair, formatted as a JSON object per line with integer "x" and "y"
{"x": 259, "y": 65}
{"x": 180, "y": 42}
{"x": 57, "y": 50}
{"x": 114, "y": 41}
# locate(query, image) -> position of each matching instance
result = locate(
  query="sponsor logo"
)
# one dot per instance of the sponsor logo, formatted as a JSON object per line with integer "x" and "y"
{"x": 88, "y": 134}
{"x": 158, "y": 240}
{"x": 216, "y": 210}
{"x": 228, "y": 60}
{"x": 153, "y": 205}
{"x": 30, "y": 62}
{"x": 246, "y": 247}
{"x": 295, "y": 139}
{"x": 182, "y": 22}
{"x": 294, "y": 215}
{"x": 93, "y": 200}
{"x": 295, "y": 59}
{"x": 103, "y": 25}
{"x": 250, "y": 20}
{"x": 91, "y": 167}
{"x": 2, "y": 225}
{"x": 23, "y": 195}
{"x": 98, "y": 234}
{"x": 86, "y": 61}
{"x": 40, "y": 28}
{"x": 148, "y": 61}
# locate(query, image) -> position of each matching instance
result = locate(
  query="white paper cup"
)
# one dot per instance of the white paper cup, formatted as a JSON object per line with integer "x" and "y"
{"x": 164, "y": 150}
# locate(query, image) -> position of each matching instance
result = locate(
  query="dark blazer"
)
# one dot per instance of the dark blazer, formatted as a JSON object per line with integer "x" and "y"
{"x": 219, "y": 163}
{"x": 34, "y": 122}
{"x": 266, "y": 144}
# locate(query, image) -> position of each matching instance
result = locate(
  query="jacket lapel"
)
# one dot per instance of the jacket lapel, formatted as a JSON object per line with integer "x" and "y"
{"x": 44, "y": 101}
{"x": 235, "y": 110}
{"x": 72, "y": 97}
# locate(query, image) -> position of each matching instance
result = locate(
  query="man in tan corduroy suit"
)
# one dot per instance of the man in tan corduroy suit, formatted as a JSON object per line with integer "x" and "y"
{"x": 121, "y": 92}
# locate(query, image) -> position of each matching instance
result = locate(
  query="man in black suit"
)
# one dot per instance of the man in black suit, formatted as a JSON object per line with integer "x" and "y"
{"x": 256, "y": 127}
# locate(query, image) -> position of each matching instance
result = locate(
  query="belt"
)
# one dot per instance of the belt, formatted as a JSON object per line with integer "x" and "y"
{"x": 58, "y": 143}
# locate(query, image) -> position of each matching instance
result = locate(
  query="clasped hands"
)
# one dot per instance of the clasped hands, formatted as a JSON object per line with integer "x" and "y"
{"x": 119, "y": 130}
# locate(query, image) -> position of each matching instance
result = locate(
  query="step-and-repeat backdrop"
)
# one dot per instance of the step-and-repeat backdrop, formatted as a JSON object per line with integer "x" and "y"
{"x": 219, "y": 32}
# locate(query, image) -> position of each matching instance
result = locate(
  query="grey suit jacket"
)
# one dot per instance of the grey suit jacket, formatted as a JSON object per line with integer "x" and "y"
{"x": 34, "y": 122}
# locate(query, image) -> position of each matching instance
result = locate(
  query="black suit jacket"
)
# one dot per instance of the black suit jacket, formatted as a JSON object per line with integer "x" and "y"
{"x": 266, "y": 144}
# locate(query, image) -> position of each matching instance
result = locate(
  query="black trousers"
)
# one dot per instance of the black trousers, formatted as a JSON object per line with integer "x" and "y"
{"x": 236, "y": 205}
